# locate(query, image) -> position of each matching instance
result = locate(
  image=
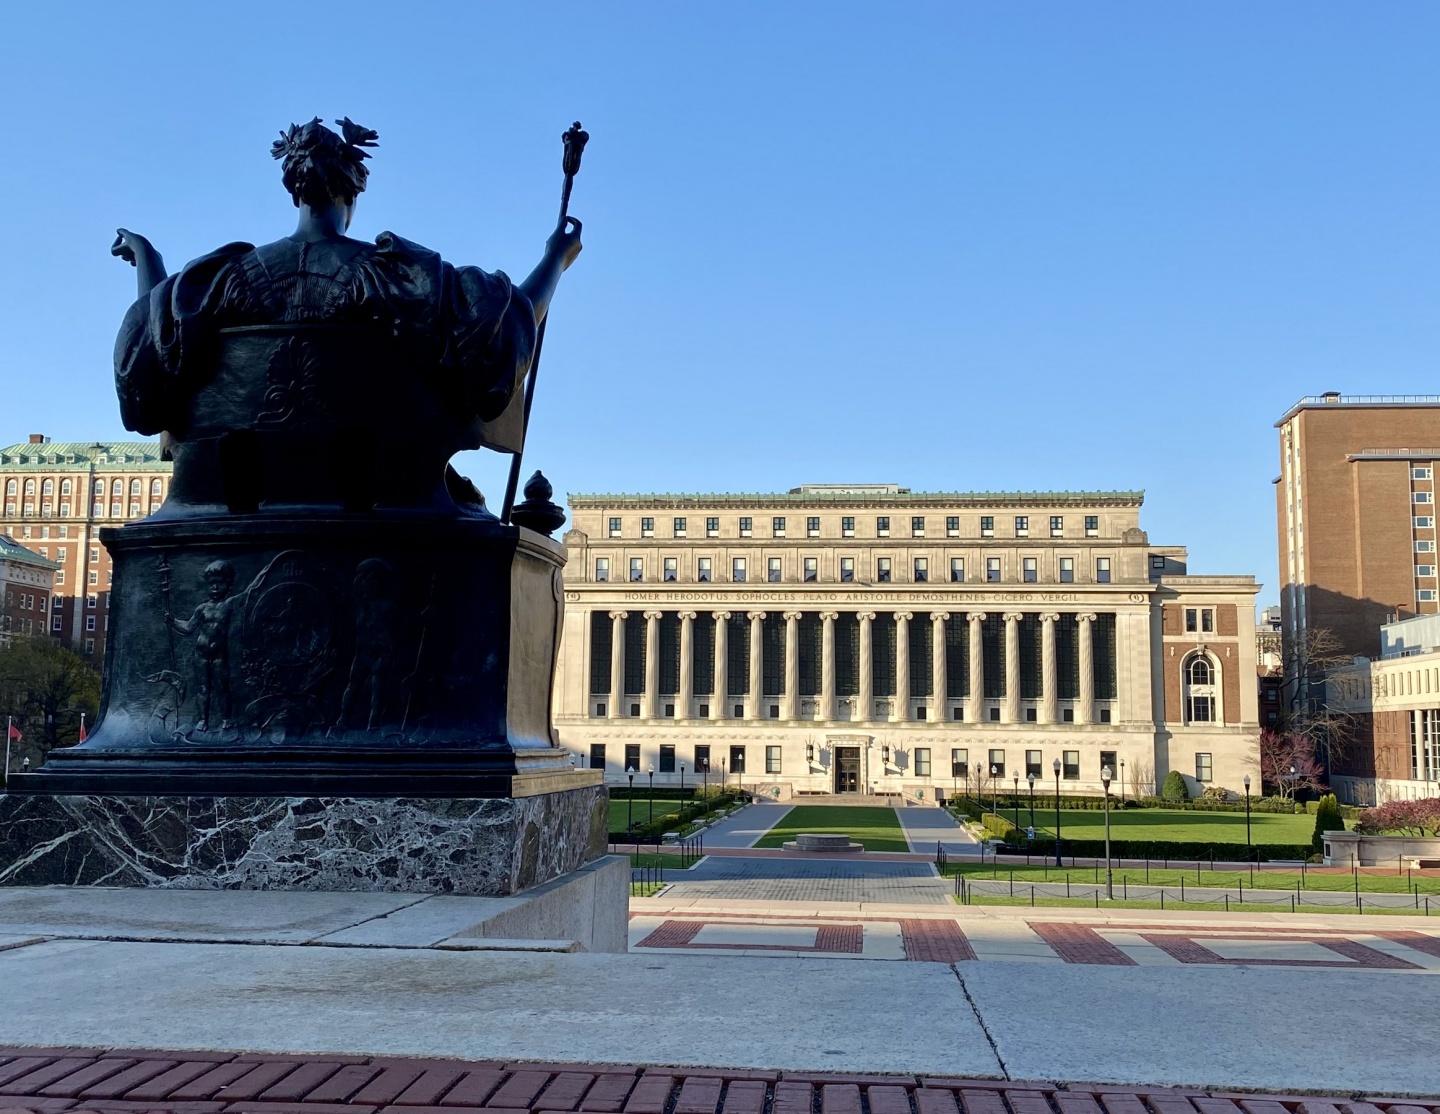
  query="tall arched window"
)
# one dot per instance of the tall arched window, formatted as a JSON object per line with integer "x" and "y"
{"x": 47, "y": 488}
{"x": 10, "y": 487}
{"x": 29, "y": 487}
{"x": 1200, "y": 677}
{"x": 117, "y": 489}
{"x": 100, "y": 488}
{"x": 64, "y": 487}
{"x": 155, "y": 489}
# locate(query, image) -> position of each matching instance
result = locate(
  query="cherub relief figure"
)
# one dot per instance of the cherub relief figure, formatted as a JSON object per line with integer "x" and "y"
{"x": 209, "y": 625}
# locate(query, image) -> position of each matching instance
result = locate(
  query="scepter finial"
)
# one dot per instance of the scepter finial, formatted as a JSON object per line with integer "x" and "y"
{"x": 575, "y": 139}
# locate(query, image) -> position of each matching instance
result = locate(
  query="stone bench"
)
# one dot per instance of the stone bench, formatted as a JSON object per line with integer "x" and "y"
{"x": 824, "y": 841}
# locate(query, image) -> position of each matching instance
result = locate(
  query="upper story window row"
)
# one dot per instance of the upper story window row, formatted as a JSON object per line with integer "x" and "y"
{"x": 741, "y": 570}
{"x": 844, "y": 526}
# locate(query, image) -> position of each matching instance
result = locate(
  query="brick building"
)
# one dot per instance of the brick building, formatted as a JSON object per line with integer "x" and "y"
{"x": 873, "y": 639}
{"x": 25, "y": 586}
{"x": 57, "y": 497}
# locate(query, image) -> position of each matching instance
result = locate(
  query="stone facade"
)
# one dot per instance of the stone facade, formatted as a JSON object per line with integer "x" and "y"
{"x": 870, "y": 638}
{"x": 26, "y": 581}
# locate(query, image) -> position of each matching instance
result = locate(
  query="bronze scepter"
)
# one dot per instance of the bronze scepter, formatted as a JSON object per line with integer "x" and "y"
{"x": 575, "y": 139}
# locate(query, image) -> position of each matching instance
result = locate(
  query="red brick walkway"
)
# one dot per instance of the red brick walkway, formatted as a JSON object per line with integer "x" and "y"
{"x": 77, "y": 1080}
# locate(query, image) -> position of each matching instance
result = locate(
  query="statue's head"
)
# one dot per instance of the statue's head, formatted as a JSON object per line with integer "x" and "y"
{"x": 219, "y": 577}
{"x": 322, "y": 168}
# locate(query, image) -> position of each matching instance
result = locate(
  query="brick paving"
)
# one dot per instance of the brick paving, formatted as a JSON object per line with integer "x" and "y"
{"x": 1351, "y": 953}
{"x": 931, "y": 941}
{"x": 1078, "y": 943}
{"x": 871, "y": 881}
{"x": 76, "y": 1080}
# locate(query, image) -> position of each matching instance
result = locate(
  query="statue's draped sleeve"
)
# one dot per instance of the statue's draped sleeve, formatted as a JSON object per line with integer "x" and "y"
{"x": 164, "y": 337}
{"x": 482, "y": 326}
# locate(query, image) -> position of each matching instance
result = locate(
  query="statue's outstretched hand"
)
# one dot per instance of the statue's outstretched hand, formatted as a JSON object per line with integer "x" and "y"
{"x": 564, "y": 243}
{"x": 131, "y": 246}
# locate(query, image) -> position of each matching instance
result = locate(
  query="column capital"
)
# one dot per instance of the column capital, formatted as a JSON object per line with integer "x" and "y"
{"x": 1013, "y": 616}
{"x": 939, "y": 616}
{"x": 906, "y": 616}
{"x": 793, "y": 616}
{"x": 654, "y": 614}
{"x": 1049, "y": 616}
{"x": 829, "y": 616}
{"x": 720, "y": 616}
{"x": 1086, "y": 616}
{"x": 976, "y": 616}
{"x": 687, "y": 614}
{"x": 752, "y": 615}
{"x": 619, "y": 614}
{"x": 865, "y": 616}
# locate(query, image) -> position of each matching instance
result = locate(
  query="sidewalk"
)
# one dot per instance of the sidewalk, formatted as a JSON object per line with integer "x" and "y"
{"x": 745, "y": 827}
{"x": 924, "y": 827}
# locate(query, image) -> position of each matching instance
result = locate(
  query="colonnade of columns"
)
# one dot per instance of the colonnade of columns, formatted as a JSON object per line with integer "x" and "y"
{"x": 863, "y": 707}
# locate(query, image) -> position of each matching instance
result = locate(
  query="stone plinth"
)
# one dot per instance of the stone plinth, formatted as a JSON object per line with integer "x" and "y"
{"x": 824, "y": 842}
{"x": 1354, "y": 849}
{"x": 484, "y": 847}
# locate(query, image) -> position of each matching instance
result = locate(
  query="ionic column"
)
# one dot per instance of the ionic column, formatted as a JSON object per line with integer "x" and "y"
{"x": 1085, "y": 713}
{"x": 687, "y": 665}
{"x": 976, "y": 709}
{"x": 1010, "y": 710}
{"x": 617, "y": 662}
{"x": 790, "y": 706}
{"x": 865, "y": 699}
{"x": 720, "y": 701}
{"x": 939, "y": 694}
{"x": 757, "y": 642}
{"x": 1047, "y": 668}
{"x": 900, "y": 710}
{"x": 828, "y": 704}
{"x": 652, "y": 664}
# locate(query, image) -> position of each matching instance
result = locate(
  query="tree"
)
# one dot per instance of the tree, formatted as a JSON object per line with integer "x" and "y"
{"x": 1309, "y": 711}
{"x": 1420, "y": 817}
{"x": 1142, "y": 779}
{"x": 1328, "y": 818}
{"x": 46, "y": 687}
{"x": 1174, "y": 788}
{"x": 1288, "y": 762}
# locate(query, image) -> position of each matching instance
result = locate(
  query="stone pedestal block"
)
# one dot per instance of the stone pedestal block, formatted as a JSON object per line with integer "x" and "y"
{"x": 483, "y": 847}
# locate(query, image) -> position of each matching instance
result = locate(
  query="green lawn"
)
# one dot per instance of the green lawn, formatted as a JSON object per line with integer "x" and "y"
{"x": 1311, "y": 880}
{"x": 1162, "y": 824}
{"x": 877, "y": 828}
{"x": 1209, "y": 907}
{"x": 620, "y": 811}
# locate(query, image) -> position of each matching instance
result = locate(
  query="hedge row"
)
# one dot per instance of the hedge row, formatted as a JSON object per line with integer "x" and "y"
{"x": 1281, "y": 805}
{"x": 672, "y": 821}
{"x": 1016, "y": 843}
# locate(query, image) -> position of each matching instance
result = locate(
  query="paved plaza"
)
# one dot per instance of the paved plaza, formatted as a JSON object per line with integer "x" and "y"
{"x": 862, "y": 881}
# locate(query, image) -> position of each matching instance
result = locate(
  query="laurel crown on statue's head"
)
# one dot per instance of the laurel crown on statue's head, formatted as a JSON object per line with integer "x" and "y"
{"x": 320, "y": 166}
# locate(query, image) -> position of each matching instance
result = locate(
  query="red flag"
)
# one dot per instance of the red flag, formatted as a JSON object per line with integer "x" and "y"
{"x": 15, "y": 733}
{"x": 82, "y": 729}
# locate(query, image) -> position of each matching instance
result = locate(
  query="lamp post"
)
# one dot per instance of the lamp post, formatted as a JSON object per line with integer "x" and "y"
{"x": 995, "y": 790}
{"x": 1109, "y": 874}
{"x": 630, "y": 801}
{"x": 652, "y": 793}
{"x": 705, "y": 784}
{"x": 1030, "y": 777}
{"x": 1056, "y": 767}
{"x": 1016, "y": 798}
{"x": 1249, "y": 854}
{"x": 682, "y": 783}
{"x": 1122, "y": 783}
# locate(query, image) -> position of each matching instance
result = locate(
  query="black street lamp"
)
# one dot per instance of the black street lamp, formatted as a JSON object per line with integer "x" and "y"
{"x": 1030, "y": 777}
{"x": 1056, "y": 767}
{"x": 1016, "y": 798}
{"x": 1249, "y": 853}
{"x": 1109, "y": 873}
{"x": 705, "y": 784}
{"x": 682, "y": 783}
{"x": 995, "y": 790}
{"x": 652, "y": 792}
{"x": 1122, "y": 783}
{"x": 630, "y": 801}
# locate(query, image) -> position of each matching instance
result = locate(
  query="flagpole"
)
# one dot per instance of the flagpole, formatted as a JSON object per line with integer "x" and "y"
{"x": 9, "y": 727}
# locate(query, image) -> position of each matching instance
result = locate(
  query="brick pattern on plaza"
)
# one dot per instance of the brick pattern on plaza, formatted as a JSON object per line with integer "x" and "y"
{"x": 47, "y": 1080}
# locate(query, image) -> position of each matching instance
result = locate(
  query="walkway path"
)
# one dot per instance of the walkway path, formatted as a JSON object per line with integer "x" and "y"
{"x": 745, "y": 827}
{"x": 811, "y": 879}
{"x": 924, "y": 827}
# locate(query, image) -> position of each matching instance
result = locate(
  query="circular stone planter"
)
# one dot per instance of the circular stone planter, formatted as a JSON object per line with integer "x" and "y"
{"x": 824, "y": 842}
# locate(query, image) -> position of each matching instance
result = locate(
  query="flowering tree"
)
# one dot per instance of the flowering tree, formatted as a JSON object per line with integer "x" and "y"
{"x": 1288, "y": 762}
{"x": 1420, "y": 817}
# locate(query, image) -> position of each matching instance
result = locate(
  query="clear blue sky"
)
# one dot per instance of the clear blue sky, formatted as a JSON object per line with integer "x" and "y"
{"x": 954, "y": 245}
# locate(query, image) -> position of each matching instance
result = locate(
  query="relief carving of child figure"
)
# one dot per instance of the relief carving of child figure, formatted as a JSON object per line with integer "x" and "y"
{"x": 210, "y": 627}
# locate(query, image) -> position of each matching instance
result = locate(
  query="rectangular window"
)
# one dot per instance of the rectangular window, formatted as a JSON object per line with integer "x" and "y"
{"x": 882, "y": 526}
{"x": 1425, "y": 595}
{"x": 847, "y": 570}
{"x": 922, "y": 761}
{"x": 1423, "y": 497}
{"x": 89, "y": 622}
{"x": 1057, "y": 526}
{"x": 89, "y": 647}
{"x": 702, "y": 758}
{"x": 772, "y": 760}
{"x": 647, "y": 527}
{"x": 812, "y": 527}
{"x": 602, "y": 569}
{"x": 882, "y": 570}
{"x": 632, "y": 758}
{"x": 737, "y": 759}
{"x": 94, "y": 555}
{"x": 1102, "y": 570}
{"x": 1199, "y": 709}
{"x": 55, "y": 622}
{"x": 1204, "y": 772}
{"x": 1022, "y": 525}
{"x": 987, "y": 526}
{"x": 737, "y": 570}
{"x": 812, "y": 569}
{"x": 1070, "y": 765}
{"x": 94, "y": 577}
{"x": 678, "y": 528}
{"x": 922, "y": 570}
{"x": 672, "y": 569}
{"x": 997, "y": 764}
{"x": 847, "y": 527}
{"x": 992, "y": 570}
{"x": 960, "y": 762}
{"x": 1067, "y": 570}
{"x": 667, "y": 759}
{"x": 597, "y": 756}
{"x": 957, "y": 570}
{"x": 777, "y": 527}
{"x": 1207, "y": 620}
{"x": 637, "y": 568}
{"x": 1420, "y": 473}
{"x": 917, "y": 527}
{"x": 702, "y": 570}
{"x": 1030, "y": 566}
{"x": 712, "y": 527}
{"x": 952, "y": 526}
{"x": 1420, "y": 547}
{"x": 773, "y": 570}
{"x": 1157, "y": 563}
{"x": 614, "y": 527}
{"x": 1424, "y": 522}
{"x": 60, "y": 576}
{"x": 747, "y": 527}
{"x": 1092, "y": 525}
{"x": 1107, "y": 762}
{"x": 1192, "y": 619}
{"x": 1032, "y": 764}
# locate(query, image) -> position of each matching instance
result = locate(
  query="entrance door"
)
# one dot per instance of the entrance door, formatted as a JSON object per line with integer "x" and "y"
{"x": 847, "y": 769}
